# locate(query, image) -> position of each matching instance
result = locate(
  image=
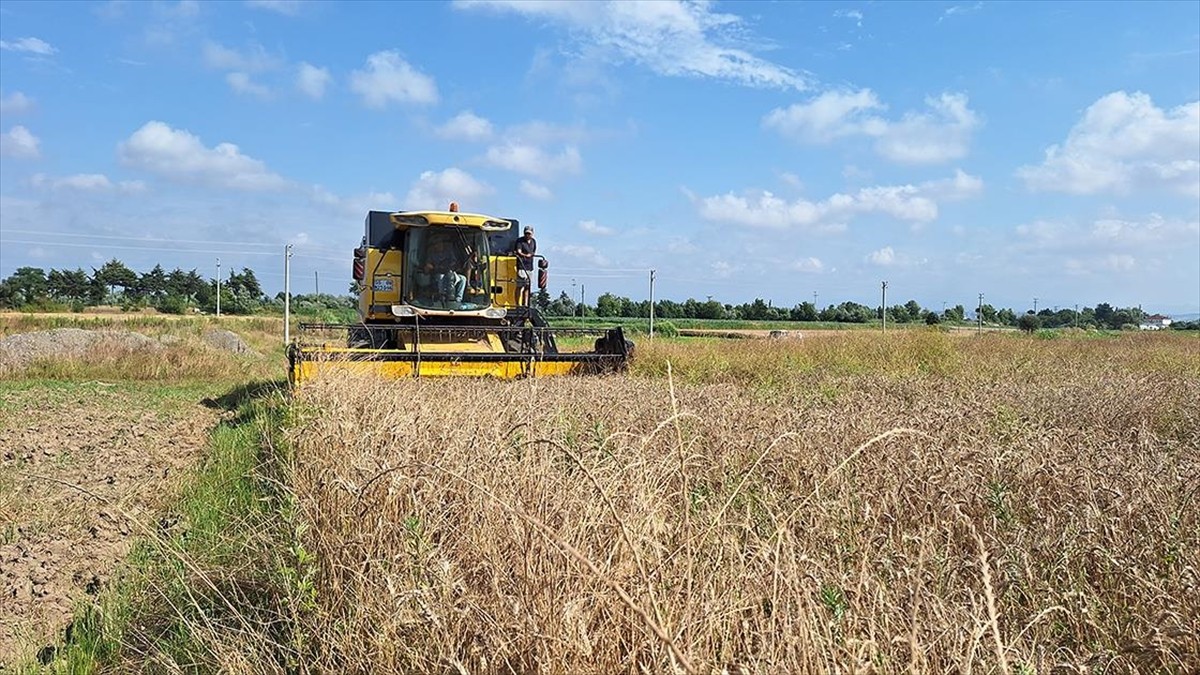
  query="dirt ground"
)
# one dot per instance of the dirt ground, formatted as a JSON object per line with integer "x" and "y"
{"x": 84, "y": 468}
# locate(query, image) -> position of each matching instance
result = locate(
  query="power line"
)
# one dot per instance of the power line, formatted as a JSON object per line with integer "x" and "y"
{"x": 155, "y": 239}
{"x": 131, "y": 248}
{"x": 638, "y": 270}
{"x": 162, "y": 248}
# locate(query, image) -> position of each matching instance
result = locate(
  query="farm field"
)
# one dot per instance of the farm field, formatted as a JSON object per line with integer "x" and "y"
{"x": 913, "y": 501}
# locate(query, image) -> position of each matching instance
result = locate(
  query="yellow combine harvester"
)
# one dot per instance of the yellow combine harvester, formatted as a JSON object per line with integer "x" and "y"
{"x": 438, "y": 296}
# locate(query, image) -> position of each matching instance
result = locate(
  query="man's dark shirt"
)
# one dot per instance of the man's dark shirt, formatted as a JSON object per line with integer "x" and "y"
{"x": 526, "y": 247}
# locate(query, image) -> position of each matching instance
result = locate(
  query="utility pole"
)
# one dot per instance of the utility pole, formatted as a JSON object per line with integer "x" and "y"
{"x": 287, "y": 294}
{"x": 651, "y": 304}
{"x": 883, "y": 306}
{"x": 218, "y": 288}
{"x": 1035, "y": 305}
{"x": 815, "y": 305}
{"x": 1076, "y": 322}
{"x": 979, "y": 315}
{"x": 317, "y": 281}
{"x": 582, "y": 294}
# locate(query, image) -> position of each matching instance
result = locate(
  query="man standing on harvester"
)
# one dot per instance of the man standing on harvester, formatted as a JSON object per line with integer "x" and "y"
{"x": 525, "y": 250}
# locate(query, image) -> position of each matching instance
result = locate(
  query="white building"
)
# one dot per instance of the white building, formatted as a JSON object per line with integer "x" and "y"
{"x": 1155, "y": 322}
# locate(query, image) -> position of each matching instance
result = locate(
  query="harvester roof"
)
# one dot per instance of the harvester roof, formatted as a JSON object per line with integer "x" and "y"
{"x": 406, "y": 219}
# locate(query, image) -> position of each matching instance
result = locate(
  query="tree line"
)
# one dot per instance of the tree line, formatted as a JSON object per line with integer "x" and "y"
{"x": 1102, "y": 315}
{"x": 177, "y": 292}
{"x": 174, "y": 292}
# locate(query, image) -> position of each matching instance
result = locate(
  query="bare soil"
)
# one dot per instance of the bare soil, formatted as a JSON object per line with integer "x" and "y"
{"x": 83, "y": 471}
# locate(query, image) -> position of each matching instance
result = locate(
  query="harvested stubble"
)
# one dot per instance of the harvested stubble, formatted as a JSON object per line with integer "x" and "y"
{"x": 870, "y": 516}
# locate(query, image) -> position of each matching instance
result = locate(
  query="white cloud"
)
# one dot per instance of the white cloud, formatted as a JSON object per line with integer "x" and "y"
{"x": 721, "y": 269}
{"x": 1118, "y": 262}
{"x": 681, "y": 246}
{"x": 29, "y": 45}
{"x": 587, "y": 254}
{"x": 186, "y": 8}
{"x": 534, "y": 161}
{"x": 181, "y": 156}
{"x": 679, "y": 39}
{"x": 255, "y": 59}
{"x": 884, "y": 257}
{"x": 591, "y": 227}
{"x": 389, "y": 78}
{"x": 851, "y": 14}
{"x": 284, "y": 7}
{"x": 435, "y": 190}
{"x": 538, "y": 132}
{"x": 829, "y": 116}
{"x": 312, "y": 81}
{"x": 1124, "y": 143}
{"x": 940, "y": 134}
{"x": 913, "y": 203}
{"x": 962, "y": 186}
{"x": 15, "y": 103}
{"x": 354, "y": 206}
{"x": 1109, "y": 234}
{"x": 86, "y": 182}
{"x": 791, "y": 180}
{"x": 19, "y": 143}
{"x": 536, "y": 190}
{"x": 242, "y": 84}
{"x": 810, "y": 265}
{"x": 465, "y": 126}
{"x": 960, "y": 9}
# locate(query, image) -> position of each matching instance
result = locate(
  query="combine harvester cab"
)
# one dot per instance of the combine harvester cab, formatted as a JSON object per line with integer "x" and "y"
{"x": 438, "y": 296}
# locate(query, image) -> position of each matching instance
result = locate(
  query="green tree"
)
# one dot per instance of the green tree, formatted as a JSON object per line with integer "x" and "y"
{"x": 1029, "y": 322}
{"x": 114, "y": 273}
{"x": 563, "y": 306}
{"x": 199, "y": 290}
{"x": 608, "y": 305}
{"x": 914, "y": 311}
{"x": 754, "y": 311}
{"x": 932, "y": 318}
{"x": 988, "y": 313}
{"x": 28, "y": 285}
{"x": 245, "y": 286}
{"x": 8, "y": 295}
{"x": 68, "y": 285}
{"x": 668, "y": 309}
{"x": 711, "y": 309}
{"x": 541, "y": 300}
{"x": 154, "y": 283}
{"x": 805, "y": 311}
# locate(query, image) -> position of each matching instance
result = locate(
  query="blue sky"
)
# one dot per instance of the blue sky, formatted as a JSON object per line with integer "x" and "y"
{"x": 775, "y": 150}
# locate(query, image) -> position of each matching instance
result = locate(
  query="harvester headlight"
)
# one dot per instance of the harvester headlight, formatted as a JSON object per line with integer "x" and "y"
{"x": 495, "y": 312}
{"x": 403, "y": 310}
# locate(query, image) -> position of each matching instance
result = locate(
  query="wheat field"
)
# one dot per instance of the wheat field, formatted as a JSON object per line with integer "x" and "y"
{"x": 910, "y": 502}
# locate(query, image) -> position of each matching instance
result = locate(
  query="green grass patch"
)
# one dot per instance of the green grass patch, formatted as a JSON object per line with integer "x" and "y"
{"x": 207, "y": 570}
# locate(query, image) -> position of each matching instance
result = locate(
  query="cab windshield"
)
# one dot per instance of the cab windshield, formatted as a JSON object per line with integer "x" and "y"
{"x": 448, "y": 269}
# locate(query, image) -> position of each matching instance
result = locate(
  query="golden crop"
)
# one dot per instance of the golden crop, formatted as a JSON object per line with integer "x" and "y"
{"x": 858, "y": 503}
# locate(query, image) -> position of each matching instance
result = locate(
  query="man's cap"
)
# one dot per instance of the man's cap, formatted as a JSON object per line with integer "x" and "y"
{"x": 528, "y": 230}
